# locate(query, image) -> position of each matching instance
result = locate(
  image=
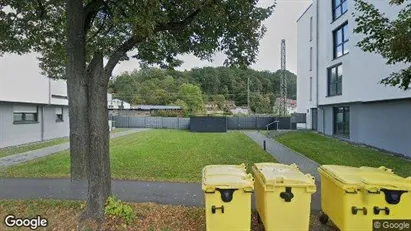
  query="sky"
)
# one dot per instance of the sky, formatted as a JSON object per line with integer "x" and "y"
{"x": 281, "y": 25}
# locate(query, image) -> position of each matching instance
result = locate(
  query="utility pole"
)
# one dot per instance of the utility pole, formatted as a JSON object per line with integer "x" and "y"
{"x": 283, "y": 82}
{"x": 248, "y": 95}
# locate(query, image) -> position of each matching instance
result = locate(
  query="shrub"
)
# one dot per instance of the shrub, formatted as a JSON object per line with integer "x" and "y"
{"x": 117, "y": 209}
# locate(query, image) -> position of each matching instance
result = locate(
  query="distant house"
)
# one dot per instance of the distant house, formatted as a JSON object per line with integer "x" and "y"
{"x": 212, "y": 107}
{"x": 33, "y": 107}
{"x": 291, "y": 105}
{"x": 116, "y": 103}
{"x": 240, "y": 110}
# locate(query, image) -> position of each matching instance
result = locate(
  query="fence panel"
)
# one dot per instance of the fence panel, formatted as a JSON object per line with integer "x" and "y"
{"x": 233, "y": 123}
{"x": 183, "y": 123}
{"x": 120, "y": 122}
{"x": 135, "y": 122}
{"x": 169, "y": 123}
{"x": 153, "y": 122}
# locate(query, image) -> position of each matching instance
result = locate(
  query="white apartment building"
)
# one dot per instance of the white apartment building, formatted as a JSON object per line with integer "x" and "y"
{"x": 32, "y": 107}
{"x": 338, "y": 83}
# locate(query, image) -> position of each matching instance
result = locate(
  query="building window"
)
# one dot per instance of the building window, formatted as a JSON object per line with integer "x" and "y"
{"x": 25, "y": 114}
{"x": 59, "y": 114}
{"x": 340, "y": 37}
{"x": 311, "y": 29}
{"x": 311, "y": 58}
{"x": 339, "y": 8}
{"x": 342, "y": 121}
{"x": 311, "y": 88}
{"x": 335, "y": 75}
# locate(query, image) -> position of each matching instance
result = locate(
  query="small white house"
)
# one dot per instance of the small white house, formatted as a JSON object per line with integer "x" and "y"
{"x": 240, "y": 110}
{"x": 116, "y": 103}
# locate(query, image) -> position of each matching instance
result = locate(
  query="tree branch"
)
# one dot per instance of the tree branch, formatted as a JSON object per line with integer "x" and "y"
{"x": 89, "y": 11}
{"x": 130, "y": 43}
{"x": 120, "y": 52}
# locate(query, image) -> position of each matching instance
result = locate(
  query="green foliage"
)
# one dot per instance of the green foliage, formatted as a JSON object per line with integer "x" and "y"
{"x": 158, "y": 30}
{"x": 117, "y": 209}
{"x": 155, "y": 86}
{"x": 192, "y": 96}
{"x": 389, "y": 38}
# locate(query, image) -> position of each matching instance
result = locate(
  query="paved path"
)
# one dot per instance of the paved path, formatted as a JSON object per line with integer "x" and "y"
{"x": 34, "y": 154}
{"x": 284, "y": 154}
{"x": 187, "y": 194}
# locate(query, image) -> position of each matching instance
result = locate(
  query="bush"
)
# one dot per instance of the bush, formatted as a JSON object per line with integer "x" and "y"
{"x": 116, "y": 209}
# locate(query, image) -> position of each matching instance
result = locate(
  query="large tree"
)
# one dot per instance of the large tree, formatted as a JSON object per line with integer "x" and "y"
{"x": 391, "y": 38}
{"x": 73, "y": 37}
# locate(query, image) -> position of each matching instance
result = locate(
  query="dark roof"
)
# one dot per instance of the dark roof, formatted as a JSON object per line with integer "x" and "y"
{"x": 156, "y": 107}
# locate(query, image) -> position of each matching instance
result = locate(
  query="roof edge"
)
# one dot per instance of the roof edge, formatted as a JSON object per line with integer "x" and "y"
{"x": 305, "y": 11}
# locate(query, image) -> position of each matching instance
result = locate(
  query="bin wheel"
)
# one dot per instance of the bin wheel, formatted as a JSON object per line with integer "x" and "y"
{"x": 323, "y": 218}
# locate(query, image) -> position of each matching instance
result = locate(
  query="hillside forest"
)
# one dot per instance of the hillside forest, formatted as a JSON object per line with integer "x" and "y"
{"x": 194, "y": 88}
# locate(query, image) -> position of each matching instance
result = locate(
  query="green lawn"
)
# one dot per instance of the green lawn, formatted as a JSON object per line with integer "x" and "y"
{"x": 162, "y": 155}
{"x": 29, "y": 147}
{"x": 327, "y": 150}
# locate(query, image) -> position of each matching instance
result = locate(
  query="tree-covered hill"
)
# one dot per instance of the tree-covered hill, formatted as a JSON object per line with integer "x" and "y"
{"x": 159, "y": 86}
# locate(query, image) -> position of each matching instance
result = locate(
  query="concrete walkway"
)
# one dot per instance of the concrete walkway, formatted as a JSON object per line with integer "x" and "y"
{"x": 284, "y": 154}
{"x": 34, "y": 154}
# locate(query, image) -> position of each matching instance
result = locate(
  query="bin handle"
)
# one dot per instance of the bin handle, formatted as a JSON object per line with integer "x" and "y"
{"x": 214, "y": 209}
{"x": 354, "y": 210}
{"x": 377, "y": 210}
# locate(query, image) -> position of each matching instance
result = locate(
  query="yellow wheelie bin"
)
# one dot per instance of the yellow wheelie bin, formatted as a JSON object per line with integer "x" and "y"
{"x": 228, "y": 190}
{"x": 353, "y": 197}
{"x": 283, "y": 196}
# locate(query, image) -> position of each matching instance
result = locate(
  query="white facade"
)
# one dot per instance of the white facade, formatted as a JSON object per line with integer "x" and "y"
{"x": 361, "y": 71}
{"x": 239, "y": 110}
{"x": 116, "y": 103}
{"x": 32, "y": 107}
{"x": 361, "y": 91}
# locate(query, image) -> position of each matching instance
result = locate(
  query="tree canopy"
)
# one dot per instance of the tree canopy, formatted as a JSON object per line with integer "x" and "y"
{"x": 158, "y": 30}
{"x": 391, "y": 38}
{"x": 217, "y": 84}
{"x": 73, "y": 36}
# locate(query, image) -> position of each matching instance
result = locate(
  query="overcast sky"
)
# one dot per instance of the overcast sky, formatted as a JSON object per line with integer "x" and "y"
{"x": 281, "y": 25}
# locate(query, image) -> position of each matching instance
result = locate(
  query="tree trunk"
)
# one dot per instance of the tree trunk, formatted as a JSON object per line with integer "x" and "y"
{"x": 77, "y": 89}
{"x": 99, "y": 177}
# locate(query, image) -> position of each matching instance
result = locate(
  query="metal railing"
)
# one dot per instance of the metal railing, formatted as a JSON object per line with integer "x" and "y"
{"x": 268, "y": 125}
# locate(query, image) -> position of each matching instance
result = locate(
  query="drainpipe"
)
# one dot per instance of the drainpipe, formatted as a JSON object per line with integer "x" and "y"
{"x": 317, "y": 59}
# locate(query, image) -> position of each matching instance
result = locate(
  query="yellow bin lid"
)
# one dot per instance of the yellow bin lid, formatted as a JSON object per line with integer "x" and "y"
{"x": 367, "y": 177}
{"x": 276, "y": 175}
{"x": 226, "y": 177}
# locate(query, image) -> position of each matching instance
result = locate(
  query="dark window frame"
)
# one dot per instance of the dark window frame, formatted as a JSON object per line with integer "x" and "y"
{"x": 339, "y": 7}
{"x": 24, "y": 120}
{"x": 311, "y": 29}
{"x": 342, "y": 128}
{"x": 311, "y": 58}
{"x": 60, "y": 117}
{"x": 311, "y": 88}
{"x": 337, "y": 82}
{"x": 344, "y": 40}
